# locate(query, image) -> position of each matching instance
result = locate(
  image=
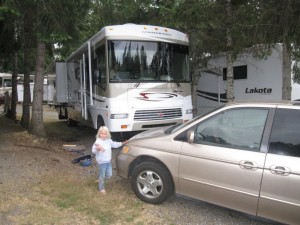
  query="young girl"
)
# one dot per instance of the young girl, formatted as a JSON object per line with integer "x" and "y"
{"x": 102, "y": 149}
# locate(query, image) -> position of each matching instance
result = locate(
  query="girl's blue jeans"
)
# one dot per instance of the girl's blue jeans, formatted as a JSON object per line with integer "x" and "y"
{"x": 105, "y": 172}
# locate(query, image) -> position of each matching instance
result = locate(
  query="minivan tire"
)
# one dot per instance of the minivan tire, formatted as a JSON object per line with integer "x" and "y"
{"x": 151, "y": 182}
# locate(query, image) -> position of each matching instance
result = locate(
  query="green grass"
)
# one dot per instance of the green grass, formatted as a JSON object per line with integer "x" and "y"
{"x": 83, "y": 197}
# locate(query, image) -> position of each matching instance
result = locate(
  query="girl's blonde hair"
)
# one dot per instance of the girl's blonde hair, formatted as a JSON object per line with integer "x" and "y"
{"x": 105, "y": 129}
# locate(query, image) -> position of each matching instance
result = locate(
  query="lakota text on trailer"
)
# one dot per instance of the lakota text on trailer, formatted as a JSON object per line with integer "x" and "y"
{"x": 258, "y": 90}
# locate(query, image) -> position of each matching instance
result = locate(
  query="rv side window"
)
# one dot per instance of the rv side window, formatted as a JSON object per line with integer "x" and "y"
{"x": 99, "y": 66}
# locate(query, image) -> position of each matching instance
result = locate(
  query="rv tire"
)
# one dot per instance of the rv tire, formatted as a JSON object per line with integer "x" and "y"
{"x": 71, "y": 123}
{"x": 61, "y": 116}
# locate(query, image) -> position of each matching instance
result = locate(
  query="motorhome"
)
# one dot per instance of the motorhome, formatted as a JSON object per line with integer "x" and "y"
{"x": 127, "y": 77}
{"x": 255, "y": 79}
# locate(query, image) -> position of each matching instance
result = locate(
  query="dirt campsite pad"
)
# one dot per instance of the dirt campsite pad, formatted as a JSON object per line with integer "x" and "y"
{"x": 40, "y": 185}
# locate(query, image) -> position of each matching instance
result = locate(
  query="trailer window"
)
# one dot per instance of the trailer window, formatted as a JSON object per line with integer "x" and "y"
{"x": 5, "y": 82}
{"x": 137, "y": 61}
{"x": 239, "y": 72}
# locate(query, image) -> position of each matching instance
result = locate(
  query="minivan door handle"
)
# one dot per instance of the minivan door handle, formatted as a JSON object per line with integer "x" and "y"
{"x": 280, "y": 170}
{"x": 248, "y": 165}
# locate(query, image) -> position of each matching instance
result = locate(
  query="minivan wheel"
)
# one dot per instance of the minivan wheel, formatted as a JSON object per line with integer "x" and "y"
{"x": 151, "y": 183}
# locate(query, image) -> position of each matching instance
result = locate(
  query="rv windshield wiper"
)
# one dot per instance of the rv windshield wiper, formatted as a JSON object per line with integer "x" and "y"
{"x": 136, "y": 85}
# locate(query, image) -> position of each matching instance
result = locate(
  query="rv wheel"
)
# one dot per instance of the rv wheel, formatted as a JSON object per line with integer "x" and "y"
{"x": 71, "y": 123}
{"x": 62, "y": 116}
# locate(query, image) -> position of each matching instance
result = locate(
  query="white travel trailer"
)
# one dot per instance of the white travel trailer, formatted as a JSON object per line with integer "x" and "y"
{"x": 126, "y": 77}
{"x": 6, "y": 85}
{"x": 254, "y": 79}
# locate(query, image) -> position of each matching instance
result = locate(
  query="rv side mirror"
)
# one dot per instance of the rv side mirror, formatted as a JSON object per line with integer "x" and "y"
{"x": 190, "y": 136}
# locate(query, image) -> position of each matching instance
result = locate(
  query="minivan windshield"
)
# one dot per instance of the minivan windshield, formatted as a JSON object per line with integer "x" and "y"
{"x": 177, "y": 127}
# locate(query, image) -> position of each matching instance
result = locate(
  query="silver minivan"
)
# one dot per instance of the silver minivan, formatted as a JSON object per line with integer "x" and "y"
{"x": 244, "y": 156}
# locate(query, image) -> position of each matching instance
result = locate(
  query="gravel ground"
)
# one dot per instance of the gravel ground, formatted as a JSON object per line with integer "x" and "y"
{"x": 25, "y": 161}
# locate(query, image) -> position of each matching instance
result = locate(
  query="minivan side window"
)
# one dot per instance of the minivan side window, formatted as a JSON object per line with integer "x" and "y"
{"x": 285, "y": 134}
{"x": 238, "y": 128}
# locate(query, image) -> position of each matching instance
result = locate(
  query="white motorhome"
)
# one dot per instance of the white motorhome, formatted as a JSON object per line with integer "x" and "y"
{"x": 126, "y": 77}
{"x": 254, "y": 79}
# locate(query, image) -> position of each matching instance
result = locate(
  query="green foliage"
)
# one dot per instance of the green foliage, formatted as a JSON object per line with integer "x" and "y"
{"x": 9, "y": 38}
{"x": 203, "y": 22}
{"x": 62, "y": 23}
{"x": 69, "y": 23}
{"x": 7, "y": 11}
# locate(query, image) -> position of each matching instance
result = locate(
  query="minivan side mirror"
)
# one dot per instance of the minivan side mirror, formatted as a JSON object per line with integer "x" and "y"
{"x": 191, "y": 136}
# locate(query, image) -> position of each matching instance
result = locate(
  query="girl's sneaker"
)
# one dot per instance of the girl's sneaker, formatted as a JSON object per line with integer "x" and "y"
{"x": 103, "y": 192}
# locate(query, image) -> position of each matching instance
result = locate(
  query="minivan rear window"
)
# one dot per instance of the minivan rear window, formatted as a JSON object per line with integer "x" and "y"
{"x": 285, "y": 134}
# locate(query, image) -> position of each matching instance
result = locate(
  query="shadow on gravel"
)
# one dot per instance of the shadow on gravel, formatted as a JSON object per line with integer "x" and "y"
{"x": 7, "y": 125}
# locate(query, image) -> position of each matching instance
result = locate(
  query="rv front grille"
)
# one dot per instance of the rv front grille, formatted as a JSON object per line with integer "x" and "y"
{"x": 160, "y": 114}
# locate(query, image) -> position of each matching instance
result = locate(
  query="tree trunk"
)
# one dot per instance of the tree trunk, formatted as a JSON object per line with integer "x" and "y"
{"x": 286, "y": 72}
{"x": 286, "y": 53}
{"x": 14, "y": 92}
{"x": 230, "y": 77}
{"x": 26, "y": 96}
{"x": 37, "y": 125}
{"x": 28, "y": 37}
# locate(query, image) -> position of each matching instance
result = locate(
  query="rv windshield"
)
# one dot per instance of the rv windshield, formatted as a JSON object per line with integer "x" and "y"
{"x": 138, "y": 61}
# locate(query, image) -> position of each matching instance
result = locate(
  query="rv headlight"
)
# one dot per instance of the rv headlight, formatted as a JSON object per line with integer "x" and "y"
{"x": 119, "y": 116}
{"x": 188, "y": 111}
